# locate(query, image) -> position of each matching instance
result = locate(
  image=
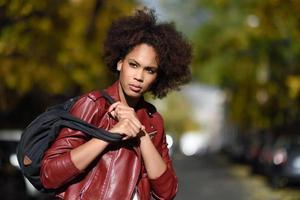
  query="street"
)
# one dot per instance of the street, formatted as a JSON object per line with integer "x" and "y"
{"x": 215, "y": 178}
{"x": 206, "y": 178}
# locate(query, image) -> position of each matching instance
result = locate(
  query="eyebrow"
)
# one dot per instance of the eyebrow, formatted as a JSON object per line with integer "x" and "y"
{"x": 137, "y": 63}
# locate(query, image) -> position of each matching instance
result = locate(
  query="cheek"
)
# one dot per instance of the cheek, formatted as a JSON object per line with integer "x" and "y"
{"x": 129, "y": 72}
{"x": 125, "y": 73}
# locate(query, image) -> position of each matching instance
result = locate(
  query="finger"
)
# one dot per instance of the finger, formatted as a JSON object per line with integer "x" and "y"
{"x": 112, "y": 114}
{"x": 128, "y": 114}
{"x": 122, "y": 111}
{"x": 132, "y": 129}
{"x": 126, "y": 138}
{"x": 113, "y": 106}
{"x": 137, "y": 124}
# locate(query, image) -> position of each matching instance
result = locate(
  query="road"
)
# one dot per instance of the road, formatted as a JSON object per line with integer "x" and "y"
{"x": 207, "y": 178}
{"x": 215, "y": 178}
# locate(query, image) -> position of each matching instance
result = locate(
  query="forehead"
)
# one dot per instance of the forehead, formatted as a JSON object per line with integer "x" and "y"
{"x": 144, "y": 54}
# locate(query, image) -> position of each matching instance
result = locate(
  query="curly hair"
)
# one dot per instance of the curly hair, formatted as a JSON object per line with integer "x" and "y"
{"x": 172, "y": 49}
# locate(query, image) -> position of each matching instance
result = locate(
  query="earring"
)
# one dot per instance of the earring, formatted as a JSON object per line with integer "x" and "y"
{"x": 119, "y": 65}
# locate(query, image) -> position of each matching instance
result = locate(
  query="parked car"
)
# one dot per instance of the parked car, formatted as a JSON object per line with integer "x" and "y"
{"x": 254, "y": 150}
{"x": 284, "y": 164}
{"x": 260, "y": 152}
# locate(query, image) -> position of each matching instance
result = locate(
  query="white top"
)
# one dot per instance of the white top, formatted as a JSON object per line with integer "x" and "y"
{"x": 135, "y": 195}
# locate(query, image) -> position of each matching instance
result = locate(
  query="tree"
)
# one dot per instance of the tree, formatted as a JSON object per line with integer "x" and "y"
{"x": 251, "y": 49}
{"x": 50, "y": 48}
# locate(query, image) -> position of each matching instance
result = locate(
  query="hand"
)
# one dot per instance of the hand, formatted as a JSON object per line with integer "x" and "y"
{"x": 127, "y": 128}
{"x": 128, "y": 124}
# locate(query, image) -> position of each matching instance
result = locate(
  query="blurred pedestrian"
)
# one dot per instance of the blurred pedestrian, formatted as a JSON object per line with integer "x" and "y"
{"x": 147, "y": 56}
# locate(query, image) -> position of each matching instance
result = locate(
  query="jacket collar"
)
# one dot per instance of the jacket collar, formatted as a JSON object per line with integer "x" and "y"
{"x": 113, "y": 91}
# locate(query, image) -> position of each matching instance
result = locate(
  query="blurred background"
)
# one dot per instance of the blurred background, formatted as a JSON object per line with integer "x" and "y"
{"x": 233, "y": 132}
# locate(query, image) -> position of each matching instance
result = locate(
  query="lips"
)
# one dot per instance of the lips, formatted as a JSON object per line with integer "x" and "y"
{"x": 135, "y": 88}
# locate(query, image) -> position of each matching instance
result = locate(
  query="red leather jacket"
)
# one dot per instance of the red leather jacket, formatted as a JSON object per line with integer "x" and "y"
{"x": 119, "y": 170}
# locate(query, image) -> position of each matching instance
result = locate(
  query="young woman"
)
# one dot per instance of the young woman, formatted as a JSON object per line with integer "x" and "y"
{"x": 148, "y": 57}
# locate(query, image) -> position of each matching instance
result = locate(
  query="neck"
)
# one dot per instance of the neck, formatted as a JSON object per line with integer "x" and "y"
{"x": 126, "y": 99}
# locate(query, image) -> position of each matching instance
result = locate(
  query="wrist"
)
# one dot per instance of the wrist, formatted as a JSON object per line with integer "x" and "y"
{"x": 100, "y": 142}
{"x": 144, "y": 136}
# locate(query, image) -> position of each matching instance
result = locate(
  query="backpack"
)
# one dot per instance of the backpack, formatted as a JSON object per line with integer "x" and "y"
{"x": 42, "y": 131}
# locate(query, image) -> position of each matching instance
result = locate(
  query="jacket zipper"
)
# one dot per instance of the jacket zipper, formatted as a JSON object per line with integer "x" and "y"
{"x": 87, "y": 185}
{"x": 137, "y": 177}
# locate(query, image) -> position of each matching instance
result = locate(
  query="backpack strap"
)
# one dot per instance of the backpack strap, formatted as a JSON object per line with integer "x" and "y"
{"x": 107, "y": 97}
{"x": 99, "y": 94}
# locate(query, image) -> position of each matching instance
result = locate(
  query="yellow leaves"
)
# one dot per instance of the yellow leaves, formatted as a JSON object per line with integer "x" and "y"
{"x": 55, "y": 84}
{"x": 6, "y": 74}
{"x": 26, "y": 9}
{"x": 80, "y": 77}
{"x": 45, "y": 25}
{"x": 51, "y": 79}
{"x": 21, "y": 76}
{"x": 16, "y": 75}
{"x": 43, "y": 45}
{"x": 293, "y": 83}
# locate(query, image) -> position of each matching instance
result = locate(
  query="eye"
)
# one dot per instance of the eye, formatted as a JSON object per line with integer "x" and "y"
{"x": 132, "y": 64}
{"x": 151, "y": 70}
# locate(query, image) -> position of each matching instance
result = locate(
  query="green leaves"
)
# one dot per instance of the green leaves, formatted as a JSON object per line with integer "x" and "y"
{"x": 251, "y": 49}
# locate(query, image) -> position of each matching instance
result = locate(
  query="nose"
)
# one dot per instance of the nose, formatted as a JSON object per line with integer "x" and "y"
{"x": 139, "y": 76}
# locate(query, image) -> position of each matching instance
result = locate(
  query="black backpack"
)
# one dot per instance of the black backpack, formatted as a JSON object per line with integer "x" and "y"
{"x": 41, "y": 133}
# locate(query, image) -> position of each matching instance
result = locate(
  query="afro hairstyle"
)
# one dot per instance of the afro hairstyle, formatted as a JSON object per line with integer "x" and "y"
{"x": 172, "y": 48}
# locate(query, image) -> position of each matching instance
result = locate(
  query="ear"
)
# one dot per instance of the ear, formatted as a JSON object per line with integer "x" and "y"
{"x": 119, "y": 65}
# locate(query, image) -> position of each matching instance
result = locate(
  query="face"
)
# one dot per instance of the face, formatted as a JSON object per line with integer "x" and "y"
{"x": 138, "y": 71}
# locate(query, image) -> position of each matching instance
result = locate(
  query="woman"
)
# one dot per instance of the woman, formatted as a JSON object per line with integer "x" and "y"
{"x": 148, "y": 57}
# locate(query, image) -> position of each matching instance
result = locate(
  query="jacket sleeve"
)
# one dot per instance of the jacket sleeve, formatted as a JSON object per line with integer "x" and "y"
{"x": 164, "y": 187}
{"x": 57, "y": 167}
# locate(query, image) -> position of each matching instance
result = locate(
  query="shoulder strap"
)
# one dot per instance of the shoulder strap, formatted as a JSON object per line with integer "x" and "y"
{"x": 107, "y": 97}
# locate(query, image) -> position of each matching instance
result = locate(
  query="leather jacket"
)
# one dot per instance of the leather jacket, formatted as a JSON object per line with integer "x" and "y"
{"x": 119, "y": 170}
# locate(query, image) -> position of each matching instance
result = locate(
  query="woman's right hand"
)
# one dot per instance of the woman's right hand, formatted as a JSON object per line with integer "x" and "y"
{"x": 127, "y": 128}
{"x": 128, "y": 124}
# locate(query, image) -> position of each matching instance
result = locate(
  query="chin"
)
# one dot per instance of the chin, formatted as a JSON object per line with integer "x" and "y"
{"x": 134, "y": 95}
